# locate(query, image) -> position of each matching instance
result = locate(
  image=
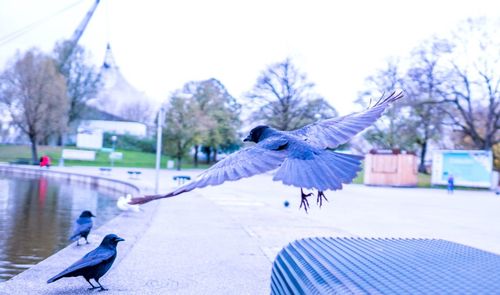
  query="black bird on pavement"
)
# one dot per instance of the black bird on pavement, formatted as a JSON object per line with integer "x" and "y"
{"x": 83, "y": 225}
{"x": 303, "y": 157}
{"x": 95, "y": 264}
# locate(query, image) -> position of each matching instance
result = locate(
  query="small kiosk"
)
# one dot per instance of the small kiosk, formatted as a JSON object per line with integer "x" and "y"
{"x": 391, "y": 168}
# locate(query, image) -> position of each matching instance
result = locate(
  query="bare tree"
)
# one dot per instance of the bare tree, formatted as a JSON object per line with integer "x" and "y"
{"x": 422, "y": 83}
{"x": 471, "y": 94}
{"x": 387, "y": 133}
{"x": 82, "y": 79}
{"x": 285, "y": 98}
{"x": 35, "y": 94}
{"x": 138, "y": 111}
{"x": 450, "y": 84}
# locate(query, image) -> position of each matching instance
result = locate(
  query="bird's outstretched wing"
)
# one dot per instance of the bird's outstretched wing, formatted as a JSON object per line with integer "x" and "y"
{"x": 331, "y": 133}
{"x": 92, "y": 258}
{"x": 260, "y": 158}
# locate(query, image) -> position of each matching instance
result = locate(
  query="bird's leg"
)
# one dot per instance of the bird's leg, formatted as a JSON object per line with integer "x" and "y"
{"x": 102, "y": 288}
{"x": 78, "y": 242}
{"x": 304, "y": 201}
{"x": 93, "y": 287}
{"x": 86, "y": 240}
{"x": 320, "y": 198}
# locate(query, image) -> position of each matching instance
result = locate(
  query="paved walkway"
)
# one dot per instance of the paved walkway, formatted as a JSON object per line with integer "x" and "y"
{"x": 222, "y": 240}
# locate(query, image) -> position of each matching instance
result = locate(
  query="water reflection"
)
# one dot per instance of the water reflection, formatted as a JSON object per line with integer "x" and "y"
{"x": 37, "y": 215}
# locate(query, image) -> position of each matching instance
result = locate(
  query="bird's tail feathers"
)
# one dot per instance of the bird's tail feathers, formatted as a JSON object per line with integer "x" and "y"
{"x": 74, "y": 237}
{"x": 65, "y": 273}
{"x": 54, "y": 278}
{"x": 149, "y": 198}
{"x": 182, "y": 189}
{"x": 326, "y": 171}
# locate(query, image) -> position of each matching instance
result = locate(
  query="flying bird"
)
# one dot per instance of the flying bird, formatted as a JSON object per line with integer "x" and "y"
{"x": 94, "y": 264}
{"x": 83, "y": 225}
{"x": 302, "y": 158}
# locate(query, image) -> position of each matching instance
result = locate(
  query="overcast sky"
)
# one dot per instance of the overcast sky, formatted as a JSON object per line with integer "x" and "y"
{"x": 160, "y": 45}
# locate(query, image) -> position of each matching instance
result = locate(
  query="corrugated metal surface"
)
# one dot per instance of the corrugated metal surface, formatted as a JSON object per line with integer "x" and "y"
{"x": 384, "y": 266}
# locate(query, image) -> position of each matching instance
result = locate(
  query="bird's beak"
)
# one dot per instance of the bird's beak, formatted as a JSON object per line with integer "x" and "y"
{"x": 120, "y": 239}
{"x": 247, "y": 138}
{"x": 92, "y": 215}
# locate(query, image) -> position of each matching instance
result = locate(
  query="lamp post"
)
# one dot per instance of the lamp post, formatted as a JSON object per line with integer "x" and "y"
{"x": 112, "y": 156}
{"x": 158, "y": 149}
{"x": 113, "y": 141}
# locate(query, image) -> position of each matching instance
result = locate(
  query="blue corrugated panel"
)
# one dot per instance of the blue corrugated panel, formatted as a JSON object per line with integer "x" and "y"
{"x": 384, "y": 266}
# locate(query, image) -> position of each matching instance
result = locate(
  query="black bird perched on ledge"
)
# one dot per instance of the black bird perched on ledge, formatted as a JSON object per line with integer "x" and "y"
{"x": 83, "y": 225}
{"x": 302, "y": 157}
{"x": 95, "y": 264}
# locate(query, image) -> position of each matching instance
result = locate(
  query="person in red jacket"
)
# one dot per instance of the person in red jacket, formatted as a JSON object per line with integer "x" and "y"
{"x": 45, "y": 161}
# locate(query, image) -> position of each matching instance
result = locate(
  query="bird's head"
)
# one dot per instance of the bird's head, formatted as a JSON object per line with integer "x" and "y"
{"x": 255, "y": 134}
{"x": 111, "y": 240}
{"x": 87, "y": 213}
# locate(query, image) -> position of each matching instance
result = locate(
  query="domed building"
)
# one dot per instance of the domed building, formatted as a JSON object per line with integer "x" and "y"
{"x": 117, "y": 93}
{"x": 113, "y": 109}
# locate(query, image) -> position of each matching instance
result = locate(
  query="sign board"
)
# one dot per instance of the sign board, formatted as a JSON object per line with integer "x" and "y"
{"x": 89, "y": 139}
{"x": 78, "y": 155}
{"x": 471, "y": 168}
{"x": 115, "y": 156}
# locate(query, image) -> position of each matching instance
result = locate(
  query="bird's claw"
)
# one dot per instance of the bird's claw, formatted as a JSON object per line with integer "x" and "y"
{"x": 320, "y": 198}
{"x": 103, "y": 289}
{"x": 304, "y": 202}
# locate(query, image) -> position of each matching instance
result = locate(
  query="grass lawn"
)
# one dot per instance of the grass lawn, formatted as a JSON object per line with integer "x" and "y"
{"x": 360, "y": 178}
{"x": 9, "y": 153}
{"x": 424, "y": 180}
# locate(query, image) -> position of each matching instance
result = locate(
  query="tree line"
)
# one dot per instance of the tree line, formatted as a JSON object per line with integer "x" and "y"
{"x": 203, "y": 116}
{"x": 44, "y": 94}
{"x": 451, "y": 84}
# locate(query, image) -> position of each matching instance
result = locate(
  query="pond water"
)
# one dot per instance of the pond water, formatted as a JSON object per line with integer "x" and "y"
{"x": 37, "y": 216}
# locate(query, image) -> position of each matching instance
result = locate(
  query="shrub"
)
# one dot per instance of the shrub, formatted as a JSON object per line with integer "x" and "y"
{"x": 130, "y": 143}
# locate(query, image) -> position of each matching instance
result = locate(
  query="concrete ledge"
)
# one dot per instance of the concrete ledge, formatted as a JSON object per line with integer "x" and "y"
{"x": 102, "y": 183}
{"x": 128, "y": 225}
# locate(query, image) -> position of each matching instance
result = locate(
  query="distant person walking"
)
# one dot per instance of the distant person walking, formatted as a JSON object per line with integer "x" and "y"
{"x": 451, "y": 184}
